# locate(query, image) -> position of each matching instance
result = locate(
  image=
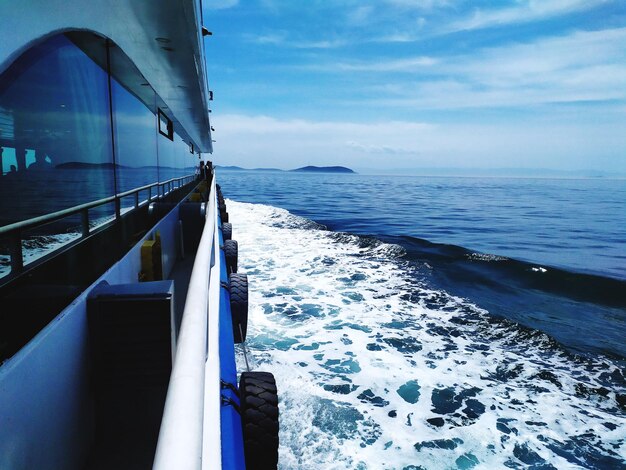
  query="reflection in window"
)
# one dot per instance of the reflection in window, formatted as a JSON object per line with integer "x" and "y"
{"x": 55, "y": 137}
{"x": 56, "y": 146}
{"x": 183, "y": 157}
{"x": 135, "y": 140}
{"x": 8, "y": 159}
{"x": 166, "y": 158}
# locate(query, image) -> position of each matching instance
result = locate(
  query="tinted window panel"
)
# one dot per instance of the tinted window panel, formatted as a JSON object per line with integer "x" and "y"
{"x": 55, "y": 136}
{"x": 167, "y": 162}
{"x": 135, "y": 141}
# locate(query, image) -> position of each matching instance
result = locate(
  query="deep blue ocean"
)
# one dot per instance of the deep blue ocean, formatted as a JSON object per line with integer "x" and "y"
{"x": 438, "y": 322}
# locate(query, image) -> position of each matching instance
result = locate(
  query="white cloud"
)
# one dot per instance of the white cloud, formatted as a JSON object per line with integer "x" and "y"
{"x": 382, "y": 149}
{"x": 360, "y": 15}
{"x": 576, "y": 51}
{"x": 418, "y": 4}
{"x": 254, "y": 141}
{"x": 581, "y": 66}
{"x": 285, "y": 143}
{"x": 281, "y": 38}
{"x": 526, "y": 11}
{"x": 410, "y": 64}
{"x": 499, "y": 99}
{"x": 219, "y": 4}
{"x": 267, "y": 125}
{"x": 322, "y": 44}
{"x": 277, "y": 38}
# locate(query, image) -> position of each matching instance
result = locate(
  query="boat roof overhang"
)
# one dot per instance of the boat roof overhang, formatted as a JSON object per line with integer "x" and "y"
{"x": 163, "y": 38}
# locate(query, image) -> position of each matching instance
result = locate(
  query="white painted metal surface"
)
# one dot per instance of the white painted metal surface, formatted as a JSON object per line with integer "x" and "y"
{"x": 46, "y": 416}
{"x": 212, "y": 440}
{"x": 180, "y": 442}
{"x": 143, "y": 29}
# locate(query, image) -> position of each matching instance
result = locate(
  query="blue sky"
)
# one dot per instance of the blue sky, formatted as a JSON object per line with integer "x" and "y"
{"x": 419, "y": 83}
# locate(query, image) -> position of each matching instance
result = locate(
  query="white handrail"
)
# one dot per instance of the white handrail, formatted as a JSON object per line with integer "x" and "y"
{"x": 180, "y": 437}
{"x": 212, "y": 439}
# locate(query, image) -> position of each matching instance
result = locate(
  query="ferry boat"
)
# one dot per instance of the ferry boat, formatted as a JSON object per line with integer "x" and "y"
{"x": 120, "y": 294}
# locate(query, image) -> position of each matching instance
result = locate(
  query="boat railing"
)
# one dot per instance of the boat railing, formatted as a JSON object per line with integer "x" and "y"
{"x": 192, "y": 406}
{"x": 14, "y": 232}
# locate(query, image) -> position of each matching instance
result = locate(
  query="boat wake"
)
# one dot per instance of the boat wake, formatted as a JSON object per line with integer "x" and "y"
{"x": 378, "y": 369}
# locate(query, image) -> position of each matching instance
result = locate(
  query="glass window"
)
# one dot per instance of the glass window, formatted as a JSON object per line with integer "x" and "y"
{"x": 135, "y": 141}
{"x": 55, "y": 136}
{"x": 182, "y": 155}
{"x": 167, "y": 161}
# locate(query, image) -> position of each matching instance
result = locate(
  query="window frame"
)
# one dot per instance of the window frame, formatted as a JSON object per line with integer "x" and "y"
{"x": 169, "y": 130}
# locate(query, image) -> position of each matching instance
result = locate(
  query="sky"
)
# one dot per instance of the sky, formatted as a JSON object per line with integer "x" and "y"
{"x": 414, "y": 84}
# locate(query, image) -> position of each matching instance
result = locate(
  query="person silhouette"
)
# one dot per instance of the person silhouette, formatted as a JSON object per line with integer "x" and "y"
{"x": 12, "y": 173}
{"x": 39, "y": 163}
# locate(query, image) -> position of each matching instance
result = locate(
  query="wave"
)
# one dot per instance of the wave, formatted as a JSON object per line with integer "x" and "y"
{"x": 379, "y": 367}
{"x": 490, "y": 268}
{"x": 585, "y": 313}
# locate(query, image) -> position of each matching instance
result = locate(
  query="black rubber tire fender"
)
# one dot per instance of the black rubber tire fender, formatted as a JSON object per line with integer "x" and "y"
{"x": 231, "y": 251}
{"x": 259, "y": 420}
{"x": 239, "y": 305}
{"x": 227, "y": 231}
{"x": 224, "y": 216}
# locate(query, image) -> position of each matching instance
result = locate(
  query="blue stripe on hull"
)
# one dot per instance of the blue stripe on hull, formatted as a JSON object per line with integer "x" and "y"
{"x": 232, "y": 437}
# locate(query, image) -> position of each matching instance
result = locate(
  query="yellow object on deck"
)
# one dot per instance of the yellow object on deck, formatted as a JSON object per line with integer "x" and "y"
{"x": 151, "y": 268}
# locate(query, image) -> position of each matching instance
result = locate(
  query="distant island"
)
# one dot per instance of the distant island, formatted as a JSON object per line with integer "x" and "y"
{"x": 324, "y": 169}
{"x": 238, "y": 168}
{"x": 304, "y": 169}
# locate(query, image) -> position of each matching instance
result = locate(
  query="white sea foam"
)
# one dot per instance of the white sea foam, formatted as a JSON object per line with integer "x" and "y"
{"x": 346, "y": 329}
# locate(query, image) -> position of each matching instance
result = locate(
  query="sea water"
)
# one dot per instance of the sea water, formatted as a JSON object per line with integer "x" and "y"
{"x": 437, "y": 322}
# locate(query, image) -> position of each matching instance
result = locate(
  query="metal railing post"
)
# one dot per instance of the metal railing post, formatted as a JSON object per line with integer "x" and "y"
{"x": 15, "y": 250}
{"x": 136, "y": 199}
{"x": 84, "y": 222}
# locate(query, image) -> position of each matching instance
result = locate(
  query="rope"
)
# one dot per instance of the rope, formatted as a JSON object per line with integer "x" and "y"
{"x": 243, "y": 346}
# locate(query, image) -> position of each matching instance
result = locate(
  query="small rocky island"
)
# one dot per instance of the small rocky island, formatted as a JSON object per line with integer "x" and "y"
{"x": 304, "y": 169}
{"x": 324, "y": 169}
